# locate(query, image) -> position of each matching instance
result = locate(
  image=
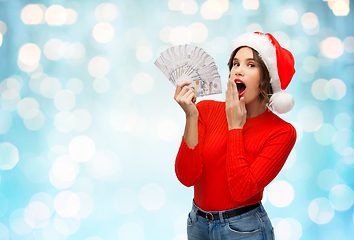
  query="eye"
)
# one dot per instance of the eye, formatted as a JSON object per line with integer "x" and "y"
{"x": 236, "y": 64}
{"x": 251, "y": 65}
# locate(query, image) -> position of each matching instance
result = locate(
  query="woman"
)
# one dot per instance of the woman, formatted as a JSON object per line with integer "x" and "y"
{"x": 232, "y": 150}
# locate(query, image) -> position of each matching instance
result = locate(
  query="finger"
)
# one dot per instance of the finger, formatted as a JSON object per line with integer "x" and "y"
{"x": 181, "y": 85}
{"x": 232, "y": 91}
{"x": 184, "y": 91}
{"x": 189, "y": 96}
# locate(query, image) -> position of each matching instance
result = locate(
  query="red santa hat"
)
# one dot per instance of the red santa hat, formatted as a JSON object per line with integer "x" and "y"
{"x": 279, "y": 62}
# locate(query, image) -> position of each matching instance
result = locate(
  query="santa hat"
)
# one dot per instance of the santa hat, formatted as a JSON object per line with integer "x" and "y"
{"x": 279, "y": 62}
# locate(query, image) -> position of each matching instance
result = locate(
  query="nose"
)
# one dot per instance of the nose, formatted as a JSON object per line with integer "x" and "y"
{"x": 239, "y": 71}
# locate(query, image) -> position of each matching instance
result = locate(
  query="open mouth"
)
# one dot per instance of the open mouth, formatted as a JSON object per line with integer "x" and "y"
{"x": 241, "y": 87}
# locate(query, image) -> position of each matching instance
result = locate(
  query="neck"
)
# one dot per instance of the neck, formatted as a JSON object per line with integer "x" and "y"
{"x": 255, "y": 109}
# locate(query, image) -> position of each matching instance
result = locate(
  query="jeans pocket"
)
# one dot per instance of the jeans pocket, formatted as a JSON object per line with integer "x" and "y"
{"x": 190, "y": 220}
{"x": 246, "y": 226}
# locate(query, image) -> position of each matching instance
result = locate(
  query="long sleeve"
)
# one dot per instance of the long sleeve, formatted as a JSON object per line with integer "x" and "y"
{"x": 189, "y": 162}
{"x": 246, "y": 179}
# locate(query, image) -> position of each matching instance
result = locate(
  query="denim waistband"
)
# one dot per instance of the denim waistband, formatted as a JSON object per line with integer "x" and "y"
{"x": 260, "y": 208}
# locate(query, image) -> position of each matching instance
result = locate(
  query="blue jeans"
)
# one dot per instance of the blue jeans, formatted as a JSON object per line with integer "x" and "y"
{"x": 252, "y": 225}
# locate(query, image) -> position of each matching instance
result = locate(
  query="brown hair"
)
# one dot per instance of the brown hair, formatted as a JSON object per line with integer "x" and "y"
{"x": 264, "y": 84}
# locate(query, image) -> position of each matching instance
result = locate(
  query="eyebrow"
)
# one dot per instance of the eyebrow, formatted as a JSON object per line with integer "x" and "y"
{"x": 248, "y": 59}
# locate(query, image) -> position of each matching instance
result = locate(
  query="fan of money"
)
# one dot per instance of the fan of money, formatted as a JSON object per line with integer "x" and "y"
{"x": 187, "y": 62}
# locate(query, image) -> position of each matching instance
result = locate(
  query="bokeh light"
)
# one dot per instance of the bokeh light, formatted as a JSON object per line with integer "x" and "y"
{"x": 332, "y": 47}
{"x": 9, "y": 156}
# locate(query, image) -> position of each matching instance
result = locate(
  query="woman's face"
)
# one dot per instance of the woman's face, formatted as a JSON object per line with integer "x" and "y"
{"x": 247, "y": 75}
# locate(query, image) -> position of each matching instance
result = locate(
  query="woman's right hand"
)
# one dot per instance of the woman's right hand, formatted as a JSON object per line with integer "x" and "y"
{"x": 186, "y": 98}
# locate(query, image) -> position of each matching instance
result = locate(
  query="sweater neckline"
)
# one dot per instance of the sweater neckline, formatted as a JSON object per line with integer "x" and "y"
{"x": 260, "y": 118}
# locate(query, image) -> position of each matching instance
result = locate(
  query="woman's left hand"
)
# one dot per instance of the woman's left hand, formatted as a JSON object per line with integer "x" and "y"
{"x": 235, "y": 108}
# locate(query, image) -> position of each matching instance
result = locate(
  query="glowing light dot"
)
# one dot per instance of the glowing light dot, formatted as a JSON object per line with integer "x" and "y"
{"x": 142, "y": 83}
{"x": 311, "y": 64}
{"x": 54, "y": 49}
{"x": 280, "y": 194}
{"x": 189, "y": 7}
{"x": 133, "y": 36}
{"x": 56, "y": 15}
{"x": 86, "y": 205}
{"x": 175, "y": 5}
{"x": 321, "y": 211}
{"x": 152, "y": 196}
{"x": 106, "y": 12}
{"x": 37, "y": 214}
{"x": 101, "y": 85}
{"x": 250, "y": 4}
{"x": 67, "y": 204}
{"x": 289, "y": 16}
{"x": 105, "y": 164}
{"x": 10, "y": 84}
{"x": 3, "y": 28}
{"x": 342, "y": 140}
{"x": 335, "y": 89}
{"x": 10, "y": 100}
{"x": 199, "y": 32}
{"x": 213, "y": 9}
{"x": 342, "y": 197}
{"x": 5, "y": 121}
{"x": 340, "y": 8}
{"x": 49, "y": 87}
{"x": 288, "y": 229}
{"x": 66, "y": 225}
{"x": 32, "y": 14}
{"x": 65, "y": 168}
{"x": 349, "y": 44}
{"x": 18, "y": 223}
{"x": 82, "y": 148}
{"x": 28, "y": 108}
{"x": 144, "y": 53}
{"x": 310, "y": 118}
{"x": 332, "y": 47}
{"x": 64, "y": 100}
{"x": 64, "y": 121}
{"x": 36, "y": 122}
{"x": 342, "y": 121}
{"x": 180, "y": 35}
{"x": 318, "y": 89}
{"x": 165, "y": 34}
{"x": 254, "y": 27}
{"x": 4, "y": 231}
{"x": 71, "y": 16}
{"x": 29, "y": 54}
{"x": 309, "y": 20}
{"x": 98, "y": 67}
{"x": 9, "y": 156}
{"x": 103, "y": 32}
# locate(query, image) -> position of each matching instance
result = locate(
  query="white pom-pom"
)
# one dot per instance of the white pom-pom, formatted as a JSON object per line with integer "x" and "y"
{"x": 282, "y": 102}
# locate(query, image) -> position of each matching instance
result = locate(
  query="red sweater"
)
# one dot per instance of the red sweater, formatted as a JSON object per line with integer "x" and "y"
{"x": 230, "y": 169}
